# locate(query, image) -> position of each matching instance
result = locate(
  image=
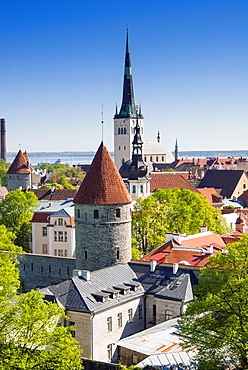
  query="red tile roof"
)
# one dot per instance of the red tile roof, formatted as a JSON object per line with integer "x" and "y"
{"x": 41, "y": 217}
{"x": 167, "y": 180}
{"x": 102, "y": 183}
{"x": 56, "y": 194}
{"x": 20, "y": 164}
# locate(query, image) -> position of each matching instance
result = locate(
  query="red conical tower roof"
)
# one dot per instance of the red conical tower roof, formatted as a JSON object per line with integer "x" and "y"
{"x": 20, "y": 164}
{"x": 102, "y": 183}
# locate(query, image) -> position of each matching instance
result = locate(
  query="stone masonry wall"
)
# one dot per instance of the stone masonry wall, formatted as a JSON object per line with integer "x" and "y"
{"x": 39, "y": 271}
{"x": 103, "y": 241}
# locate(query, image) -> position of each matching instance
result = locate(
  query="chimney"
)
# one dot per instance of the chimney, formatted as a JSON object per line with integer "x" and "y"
{"x": 82, "y": 273}
{"x": 3, "y": 140}
{"x": 175, "y": 268}
{"x": 153, "y": 265}
{"x": 203, "y": 229}
{"x": 210, "y": 249}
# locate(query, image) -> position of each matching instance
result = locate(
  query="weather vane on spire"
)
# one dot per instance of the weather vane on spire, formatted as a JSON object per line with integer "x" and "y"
{"x": 102, "y": 122}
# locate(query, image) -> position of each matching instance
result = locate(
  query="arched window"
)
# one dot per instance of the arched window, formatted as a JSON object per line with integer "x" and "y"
{"x": 157, "y": 159}
{"x": 141, "y": 189}
{"x": 134, "y": 189}
{"x": 151, "y": 158}
{"x": 122, "y": 131}
{"x": 145, "y": 159}
{"x": 60, "y": 221}
{"x": 125, "y": 130}
{"x": 162, "y": 158}
{"x": 119, "y": 131}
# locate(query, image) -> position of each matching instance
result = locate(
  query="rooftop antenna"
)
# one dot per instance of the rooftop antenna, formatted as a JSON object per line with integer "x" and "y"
{"x": 102, "y": 122}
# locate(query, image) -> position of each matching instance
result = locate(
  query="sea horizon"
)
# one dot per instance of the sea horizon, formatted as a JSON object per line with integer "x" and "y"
{"x": 85, "y": 157}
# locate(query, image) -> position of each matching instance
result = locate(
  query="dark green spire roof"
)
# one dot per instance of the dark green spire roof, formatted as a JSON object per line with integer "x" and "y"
{"x": 128, "y": 108}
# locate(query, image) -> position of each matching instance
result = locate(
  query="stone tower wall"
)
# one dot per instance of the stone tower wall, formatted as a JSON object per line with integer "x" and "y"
{"x": 21, "y": 180}
{"x": 102, "y": 241}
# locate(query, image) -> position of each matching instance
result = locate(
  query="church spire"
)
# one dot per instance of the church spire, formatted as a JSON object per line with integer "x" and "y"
{"x": 128, "y": 108}
{"x": 176, "y": 151}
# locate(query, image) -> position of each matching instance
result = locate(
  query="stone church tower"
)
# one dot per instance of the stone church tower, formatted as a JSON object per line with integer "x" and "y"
{"x": 102, "y": 216}
{"x": 125, "y": 120}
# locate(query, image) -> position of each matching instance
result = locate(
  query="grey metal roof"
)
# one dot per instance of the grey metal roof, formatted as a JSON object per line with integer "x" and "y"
{"x": 163, "y": 283}
{"x": 162, "y": 344}
{"x": 79, "y": 294}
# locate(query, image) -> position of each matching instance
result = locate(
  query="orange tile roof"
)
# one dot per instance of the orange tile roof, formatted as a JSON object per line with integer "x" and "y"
{"x": 210, "y": 194}
{"x": 168, "y": 180}
{"x": 182, "y": 253}
{"x": 102, "y": 183}
{"x": 20, "y": 164}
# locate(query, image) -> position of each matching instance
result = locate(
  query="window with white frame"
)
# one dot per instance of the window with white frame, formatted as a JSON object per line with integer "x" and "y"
{"x": 109, "y": 323}
{"x": 109, "y": 349}
{"x": 44, "y": 249}
{"x": 130, "y": 315}
{"x": 60, "y": 234}
{"x": 44, "y": 231}
{"x": 119, "y": 320}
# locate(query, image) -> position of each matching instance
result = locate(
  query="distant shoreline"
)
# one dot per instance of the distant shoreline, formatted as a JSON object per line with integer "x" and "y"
{"x": 185, "y": 153}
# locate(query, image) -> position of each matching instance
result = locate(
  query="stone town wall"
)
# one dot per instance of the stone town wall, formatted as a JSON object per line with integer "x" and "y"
{"x": 39, "y": 271}
{"x": 102, "y": 241}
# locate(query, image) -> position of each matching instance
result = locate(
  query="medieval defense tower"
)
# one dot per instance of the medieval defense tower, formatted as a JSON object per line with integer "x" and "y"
{"x": 125, "y": 120}
{"x": 102, "y": 216}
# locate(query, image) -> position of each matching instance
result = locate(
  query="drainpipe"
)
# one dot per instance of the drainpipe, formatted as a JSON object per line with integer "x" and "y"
{"x": 92, "y": 338}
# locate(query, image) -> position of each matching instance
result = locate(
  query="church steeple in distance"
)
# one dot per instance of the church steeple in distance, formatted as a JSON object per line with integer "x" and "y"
{"x": 176, "y": 151}
{"x": 128, "y": 108}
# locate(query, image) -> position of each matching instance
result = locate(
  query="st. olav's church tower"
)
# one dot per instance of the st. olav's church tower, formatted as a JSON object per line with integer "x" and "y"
{"x": 125, "y": 120}
{"x": 124, "y": 126}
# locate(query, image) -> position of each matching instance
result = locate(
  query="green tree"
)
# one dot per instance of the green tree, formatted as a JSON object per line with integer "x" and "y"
{"x": 16, "y": 212}
{"x": 216, "y": 322}
{"x": 30, "y": 335}
{"x": 172, "y": 210}
{"x": 49, "y": 185}
{"x": 65, "y": 183}
{"x": 3, "y": 172}
{"x": 9, "y": 274}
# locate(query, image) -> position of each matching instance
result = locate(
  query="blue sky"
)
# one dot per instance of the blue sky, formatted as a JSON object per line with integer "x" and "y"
{"x": 61, "y": 60}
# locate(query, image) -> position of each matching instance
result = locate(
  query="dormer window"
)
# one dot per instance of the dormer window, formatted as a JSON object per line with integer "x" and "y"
{"x": 60, "y": 221}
